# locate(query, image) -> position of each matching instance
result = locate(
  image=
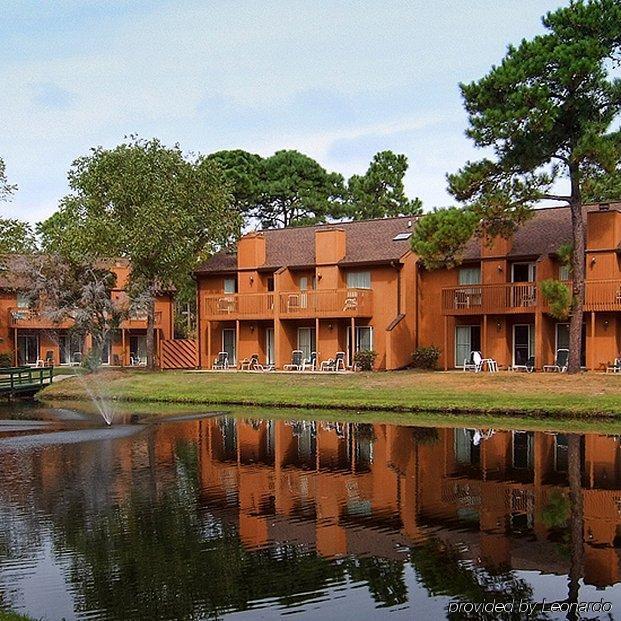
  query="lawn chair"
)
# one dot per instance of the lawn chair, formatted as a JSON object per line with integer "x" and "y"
{"x": 614, "y": 368}
{"x": 251, "y": 364}
{"x": 222, "y": 361}
{"x": 560, "y": 362}
{"x": 297, "y": 361}
{"x": 311, "y": 363}
{"x": 528, "y": 366}
{"x": 226, "y": 305}
{"x": 351, "y": 301}
{"x": 474, "y": 362}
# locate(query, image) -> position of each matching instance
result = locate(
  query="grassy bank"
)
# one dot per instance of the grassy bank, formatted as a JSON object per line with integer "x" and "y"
{"x": 408, "y": 391}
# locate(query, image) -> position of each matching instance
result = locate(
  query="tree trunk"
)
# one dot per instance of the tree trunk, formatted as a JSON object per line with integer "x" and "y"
{"x": 151, "y": 335}
{"x": 574, "y": 459}
{"x": 578, "y": 258}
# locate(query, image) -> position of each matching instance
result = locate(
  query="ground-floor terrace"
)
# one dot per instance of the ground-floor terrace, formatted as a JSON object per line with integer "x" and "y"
{"x": 64, "y": 347}
{"x": 274, "y": 341}
{"x": 514, "y": 339}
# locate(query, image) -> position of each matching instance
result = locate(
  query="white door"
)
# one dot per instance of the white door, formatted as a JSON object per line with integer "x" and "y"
{"x": 229, "y": 344}
{"x": 269, "y": 346}
{"x": 306, "y": 341}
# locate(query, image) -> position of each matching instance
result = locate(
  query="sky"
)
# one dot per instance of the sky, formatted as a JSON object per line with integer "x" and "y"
{"x": 338, "y": 80}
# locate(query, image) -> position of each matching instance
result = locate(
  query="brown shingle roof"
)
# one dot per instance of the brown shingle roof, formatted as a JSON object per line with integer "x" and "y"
{"x": 372, "y": 241}
{"x": 369, "y": 241}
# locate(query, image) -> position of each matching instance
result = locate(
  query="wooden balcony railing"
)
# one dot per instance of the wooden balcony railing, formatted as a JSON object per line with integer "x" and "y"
{"x": 327, "y": 303}
{"x": 600, "y": 295}
{"x": 140, "y": 320}
{"x": 503, "y": 297}
{"x": 29, "y": 318}
{"x": 239, "y": 305}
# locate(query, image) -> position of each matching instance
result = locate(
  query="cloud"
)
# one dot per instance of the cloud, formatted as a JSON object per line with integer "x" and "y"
{"x": 52, "y": 96}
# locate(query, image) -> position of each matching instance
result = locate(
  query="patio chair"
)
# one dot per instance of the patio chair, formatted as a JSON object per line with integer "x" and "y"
{"x": 614, "y": 368}
{"x": 76, "y": 358}
{"x": 222, "y": 361}
{"x": 528, "y": 366}
{"x": 297, "y": 360}
{"x": 351, "y": 301}
{"x": 293, "y": 302}
{"x": 49, "y": 358}
{"x": 311, "y": 363}
{"x": 474, "y": 362}
{"x": 560, "y": 362}
{"x": 251, "y": 364}
{"x": 226, "y": 305}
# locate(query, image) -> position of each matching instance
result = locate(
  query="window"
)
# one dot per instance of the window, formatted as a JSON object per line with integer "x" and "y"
{"x": 307, "y": 341}
{"x": 470, "y": 276}
{"x": 562, "y": 340}
{"x": 22, "y": 300}
{"x": 564, "y": 272}
{"x": 230, "y": 285}
{"x": 358, "y": 280}
{"x": 364, "y": 338}
{"x": 523, "y": 343}
{"x": 306, "y": 283}
{"x": 402, "y": 236}
{"x": 270, "y": 283}
{"x": 467, "y": 453}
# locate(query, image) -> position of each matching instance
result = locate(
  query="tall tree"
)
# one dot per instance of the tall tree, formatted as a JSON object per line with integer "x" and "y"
{"x": 285, "y": 189}
{"x": 379, "y": 193}
{"x": 150, "y": 204}
{"x": 15, "y": 235}
{"x": 545, "y": 113}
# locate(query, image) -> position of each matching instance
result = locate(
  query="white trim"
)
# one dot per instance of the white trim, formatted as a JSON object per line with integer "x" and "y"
{"x": 532, "y": 270}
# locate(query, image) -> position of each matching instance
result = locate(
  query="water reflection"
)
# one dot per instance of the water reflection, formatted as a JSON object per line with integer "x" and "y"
{"x": 201, "y": 518}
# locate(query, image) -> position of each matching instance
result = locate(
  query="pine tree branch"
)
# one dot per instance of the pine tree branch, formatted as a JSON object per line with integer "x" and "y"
{"x": 556, "y": 197}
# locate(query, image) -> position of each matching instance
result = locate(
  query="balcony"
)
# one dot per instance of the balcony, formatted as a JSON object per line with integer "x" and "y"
{"x": 600, "y": 295}
{"x": 520, "y": 297}
{"x": 31, "y": 319}
{"x": 239, "y": 306}
{"x": 327, "y": 303}
{"x": 139, "y": 321}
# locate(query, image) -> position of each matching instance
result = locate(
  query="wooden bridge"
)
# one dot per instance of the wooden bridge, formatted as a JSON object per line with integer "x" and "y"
{"x": 24, "y": 381}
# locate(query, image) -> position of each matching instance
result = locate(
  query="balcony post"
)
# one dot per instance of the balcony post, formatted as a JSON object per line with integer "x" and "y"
{"x": 208, "y": 345}
{"x": 123, "y": 354}
{"x": 539, "y": 362}
{"x": 486, "y": 354}
{"x": 15, "y": 353}
{"x": 236, "y": 341}
{"x": 591, "y": 349}
{"x": 446, "y": 342}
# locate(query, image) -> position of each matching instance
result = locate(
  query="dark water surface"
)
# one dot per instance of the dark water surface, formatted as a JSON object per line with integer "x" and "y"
{"x": 254, "y": 518}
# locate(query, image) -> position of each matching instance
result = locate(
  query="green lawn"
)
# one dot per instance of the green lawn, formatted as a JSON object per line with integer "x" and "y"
{"x": 405, "y": 391}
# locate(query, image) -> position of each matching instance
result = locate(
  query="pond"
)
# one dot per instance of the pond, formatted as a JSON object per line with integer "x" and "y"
{"x": 249, "y": 515}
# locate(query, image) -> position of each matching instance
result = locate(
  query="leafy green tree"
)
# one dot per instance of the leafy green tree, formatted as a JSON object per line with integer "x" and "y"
{"x": 150, "y": 204}
{"x": 15, "y": 235}
{"x": 379, "y": 193}
{"x": 439, "y": 238}
{"x": 285, "y": 189}
{"x": 545, "y": 115}
{"x": 243, "y": 172}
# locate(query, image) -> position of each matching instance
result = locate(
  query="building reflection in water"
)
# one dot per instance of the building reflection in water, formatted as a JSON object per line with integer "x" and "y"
{"x": 280, "y": 509}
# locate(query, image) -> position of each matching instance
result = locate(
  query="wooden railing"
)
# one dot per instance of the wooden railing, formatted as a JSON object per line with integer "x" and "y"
{"x": 140, "y": 320}
{"x": 18, "y": 380}
{"x": 239, "y": 305}
{"x": 327, "y": 303}
{"x": 503, "y": 297}
{"x": 600, "y": 295}
{"x": 29, "y": 318}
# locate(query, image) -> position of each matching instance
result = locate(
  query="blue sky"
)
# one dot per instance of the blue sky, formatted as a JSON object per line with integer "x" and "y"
{"x": 336, "y": 79}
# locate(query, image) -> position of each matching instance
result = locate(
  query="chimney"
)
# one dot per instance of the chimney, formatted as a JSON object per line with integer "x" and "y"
{"x": 330, "y": 245}
{"x": 251, "y": 251}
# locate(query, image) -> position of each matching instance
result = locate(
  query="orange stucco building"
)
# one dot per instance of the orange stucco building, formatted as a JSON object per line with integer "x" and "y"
{"x": 326, "y": 289}
{"x": 30, "y": 337}
{"x": 358, "y": 285}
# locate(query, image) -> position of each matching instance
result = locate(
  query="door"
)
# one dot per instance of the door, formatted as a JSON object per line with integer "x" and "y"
{"x": 364, "y": 341}
{"x": 562, "y": 340}
{"x": 27, "y": 348}
{"x": 523, "y": 343}
{"x": 69, "y": 344}
{"x": 229, "y": 344}
{"x": 523, "y": 272}
{"x": 269, "y": 346}
{"x": 467, "y": 339}
{"x": 523, "y": 295}
{"x": 105, "y": 352}
{"x": 138, "y": 348}
{"x": 306, "y": 341}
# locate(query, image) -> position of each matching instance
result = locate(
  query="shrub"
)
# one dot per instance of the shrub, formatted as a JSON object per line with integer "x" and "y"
{"x": 6, "y": 360}
{"x": 365, "y": 359}
{"x": 558, "y": 297}
{"x": 426, "y": 357}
